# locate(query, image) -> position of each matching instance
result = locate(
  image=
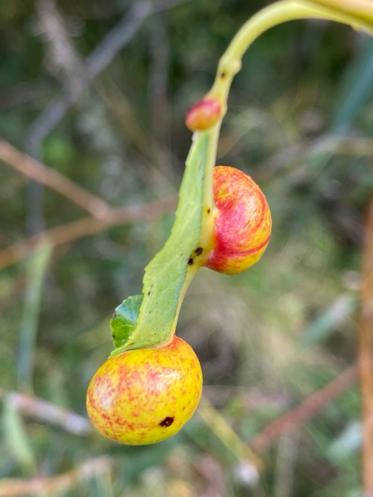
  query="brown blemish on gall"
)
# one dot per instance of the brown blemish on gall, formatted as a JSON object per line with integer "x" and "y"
{"x": 198, "y": 251}
{"x": 167, "y": 421}
{"x": 190, "y": 261}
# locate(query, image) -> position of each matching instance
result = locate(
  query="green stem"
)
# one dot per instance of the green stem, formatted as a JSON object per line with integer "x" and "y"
{"x": 271, "y": 16}
{"x": 345, "y": 12}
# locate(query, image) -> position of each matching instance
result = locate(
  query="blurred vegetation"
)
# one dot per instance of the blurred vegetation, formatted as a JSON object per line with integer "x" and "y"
{"x": 300, "y": 122}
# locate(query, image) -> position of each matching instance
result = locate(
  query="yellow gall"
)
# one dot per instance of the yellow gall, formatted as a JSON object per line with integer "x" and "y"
{"x": 144, "y": 396}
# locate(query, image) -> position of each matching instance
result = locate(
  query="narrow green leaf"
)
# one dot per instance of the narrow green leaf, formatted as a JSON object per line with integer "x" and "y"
{"x": 36, "y": 268}
{"x": 124, "y": 320}
{"x": 168, "y": 274}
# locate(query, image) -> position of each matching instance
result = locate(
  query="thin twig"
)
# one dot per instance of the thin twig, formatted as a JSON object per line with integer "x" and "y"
{"x": 366, "y": 354}
{"x": 53, "y": 485}
{"x": 313, "y": 404}
{"x": 85, "y": 227}
{"x": 53, "y": 180}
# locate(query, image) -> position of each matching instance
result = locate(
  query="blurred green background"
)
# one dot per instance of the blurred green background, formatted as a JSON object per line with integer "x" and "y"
{"x": 300, "y": 121}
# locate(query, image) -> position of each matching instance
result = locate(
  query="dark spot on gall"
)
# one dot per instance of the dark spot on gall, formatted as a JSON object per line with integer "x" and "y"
{"x": 190, "y": 261}
{"x": 208, "y": 211}
{"x": 167, "y": 421}
{"x": 198, "y": 251}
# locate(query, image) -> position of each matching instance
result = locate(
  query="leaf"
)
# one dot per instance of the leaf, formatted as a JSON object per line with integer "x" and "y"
{"x": 36, "y": 268}
{"x": 169, "y": 273}
{"x": 124, "y": 319}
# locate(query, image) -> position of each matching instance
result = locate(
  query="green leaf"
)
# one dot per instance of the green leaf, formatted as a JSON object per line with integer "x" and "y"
{"x": 168, "y": 275}
{"x": 36, "y": 269}
{"x": 124, "y": 320}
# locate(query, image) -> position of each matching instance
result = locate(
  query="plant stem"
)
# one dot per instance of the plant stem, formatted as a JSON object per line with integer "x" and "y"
{"x": 271, "y": 16}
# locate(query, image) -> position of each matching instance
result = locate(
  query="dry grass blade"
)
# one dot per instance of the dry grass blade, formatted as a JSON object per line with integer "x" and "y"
{"x": 228, "y": 436}
{"x": 87, "y": 226}
{"x": 53, "y": 485}
{"x": 366, "y": 354}
{"x": 53, "y": 180}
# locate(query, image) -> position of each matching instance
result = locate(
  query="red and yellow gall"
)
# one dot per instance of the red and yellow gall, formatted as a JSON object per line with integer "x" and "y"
{"x": 203, "y": 114}
{"x": 145, "y": 396}
{"x": 242, "y": 224}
